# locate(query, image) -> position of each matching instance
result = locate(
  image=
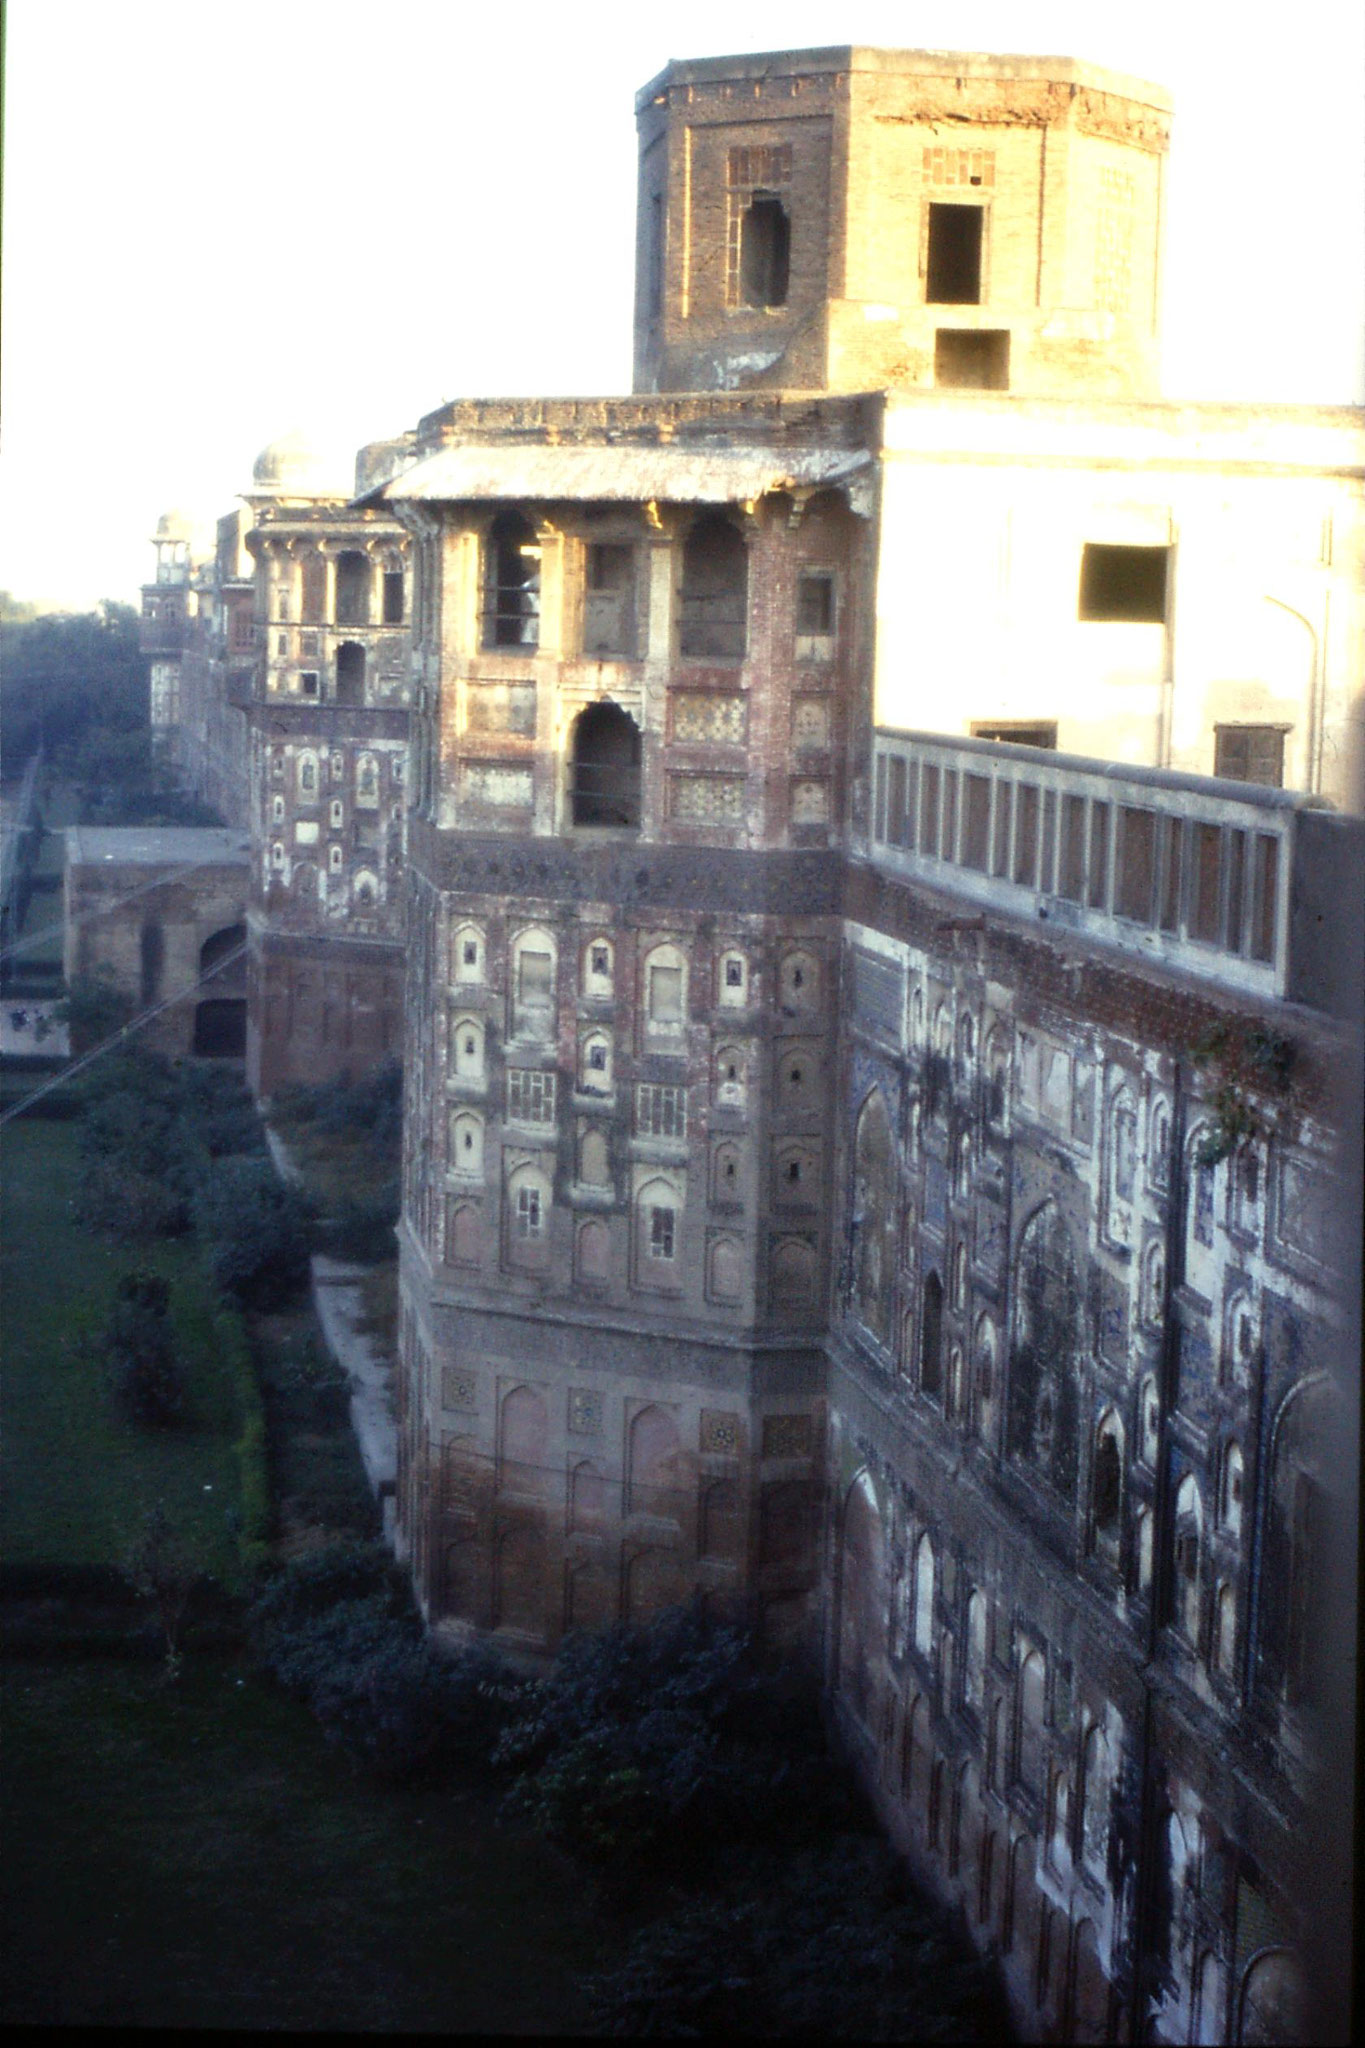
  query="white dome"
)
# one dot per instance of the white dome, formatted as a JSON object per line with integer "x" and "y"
{"x": 294, "y": 467}
{"x": 174, "y": 525}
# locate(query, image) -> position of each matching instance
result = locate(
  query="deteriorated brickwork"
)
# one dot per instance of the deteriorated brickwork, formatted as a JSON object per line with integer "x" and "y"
{"x": 853, "y": 219}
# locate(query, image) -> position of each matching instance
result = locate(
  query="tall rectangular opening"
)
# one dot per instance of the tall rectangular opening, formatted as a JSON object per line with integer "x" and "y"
{"x": 953, "y": 264}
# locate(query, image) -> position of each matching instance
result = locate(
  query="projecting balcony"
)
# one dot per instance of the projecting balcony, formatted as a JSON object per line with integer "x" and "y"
{"x": 1247, "y": 886}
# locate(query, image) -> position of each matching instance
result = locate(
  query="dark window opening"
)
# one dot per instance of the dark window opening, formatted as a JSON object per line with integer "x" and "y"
{"x": 1207, "y": 884}
{"x": 471, "y": 952}
{"x": 601, "y": 961}
{"x": 734, "y": 974}
{"x": 1267, "y": 869}
{"x": 350, "y": 673}
{"x": 1123, "y": 583}
{"x": 314, "y": 608}
{"x": 220, "y": 1030}
{"x": 931, "y": 1337}
{"x": 604, "y": 785}
{"x": 393, "y": 597}
{"x": 1014, "y": 733}
{"x": 1250, "y": 753}
{"x": 954, "y": 266}
{"x": 1108, "y": 1484}
{"x": 967, "y": 359}
{"x": 308, "y": 682}
{"x": 764, "y": 251}
{"x": 353, "y": 589}
{"x": 609, "y": 600}
{"x": 815, "y": 607}
{"x": 512, "y": 584}
{"x": 715, "y": 592}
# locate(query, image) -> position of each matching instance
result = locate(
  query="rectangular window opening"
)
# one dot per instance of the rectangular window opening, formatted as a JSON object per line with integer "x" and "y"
{"x": 1172, "y": 873}
{"x": 1098, "y": 892}
{"x": 1267, "y": 875}
{"x": 976, "y": 821}
{"x": 972, "y": 359}
{"x": 609, "y": 600}
{"x": 1004, "y": 814}
{"x": 1250, "y": 753}
{"x": 393, "y": 597}
{"x": 950, "y": 814}
{"x": 1026, "y": 836}
{"x": 814, "y": 606}
{"x": 928, "y": 810}
{"x": 1120, "y": 583}
{"x": 895, "y": 817}
{"x": 1237, "y": 862}
{"x": 1207, "y": 884}
{"x": 953, "y": 266}
{"x": 1071, "y": 874}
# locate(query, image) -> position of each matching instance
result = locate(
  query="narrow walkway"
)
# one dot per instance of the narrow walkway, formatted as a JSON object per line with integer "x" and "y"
{"x": 339, "y": 1298}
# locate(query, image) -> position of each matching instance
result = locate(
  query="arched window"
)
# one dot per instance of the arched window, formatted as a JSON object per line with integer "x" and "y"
{"x": 466, "y": 954}
{"x": 658, "y": 1234}
{"x": 1143, "y": 1546}
{"x": 1189, "y": 1528}
{"x": 732, "y": 981}
{"x": 725, "y": 1269}
{"x": 367, "y": 782}
{"x": 726, "y": 1181}
{"x": 655, "y": 1464}
{"x": 353, "y": 588}
{"x": 1230, "y": 1490}
{"x": 796, "y": 1179}
{"x": 528, "y": 1216}
{"x": 604, "y": 768}
{"x": 997, "y": 1078}
{"x": 1225, "y": 1631}
{"x": 466, "y": 1048}
{"x": 954, "y": 1405}
{"x": 715, "y": 592}
{"x": 974, "y": 1668}
{"x": 1121, "y": 1166}
{"x": 959, "y": 1277}
{"x": 924, "y": 1596}
{"x": 466, "y": 1144}
{"x": 308, "y": 776}
{"x": 931, "y": 1337}
{"x": 522, "y": 1463}
{"x": 594, "y": 1063}
{"x": 1031, "y": 1713}
{"x": 511, "y": 601}
{"x": 731, "y": 1076}
{"x": 463, "y": 1238}
{"x": 1201, "y": 1186}
{"x": 593, "y": 1248}
{"x": 874, "y": 1216}
{"x": 1106, "y": 1492}
{"x": 335, "y": 859}
{"x": 799, "y": 981}
{"x": 1095, "y": 1800}
{"x": 1152, "y": 1302}
{"x": 985, "y": 1372}
{"x": 598, "y": 960}
{"x": 587, "y": 1496}
{"x": 962, "y": 1179}
{"x": 793, "y": 1272}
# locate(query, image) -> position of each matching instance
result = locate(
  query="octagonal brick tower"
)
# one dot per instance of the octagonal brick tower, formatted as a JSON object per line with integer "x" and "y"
{"x": 854, "y": 219}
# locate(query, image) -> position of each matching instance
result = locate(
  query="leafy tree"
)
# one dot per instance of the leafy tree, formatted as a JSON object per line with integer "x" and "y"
{"x": 833, "y": 1944}
{"x": 256, "y": 1230}
{"x": 656, "y": 1744}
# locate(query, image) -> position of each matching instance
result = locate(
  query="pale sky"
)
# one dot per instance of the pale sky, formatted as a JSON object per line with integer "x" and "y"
{"x": 225, "y": 222}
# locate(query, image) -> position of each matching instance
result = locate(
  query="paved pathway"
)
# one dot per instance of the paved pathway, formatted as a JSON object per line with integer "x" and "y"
{"x": 339, "y": 1298}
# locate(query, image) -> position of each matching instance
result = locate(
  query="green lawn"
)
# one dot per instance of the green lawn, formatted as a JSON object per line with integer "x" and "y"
{"x": 75, "y": 1478}
{"x": 195, "y": 1856}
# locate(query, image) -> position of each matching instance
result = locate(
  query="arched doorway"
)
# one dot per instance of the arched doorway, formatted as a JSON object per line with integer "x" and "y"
{"x": 604, "y": 768}
{"x": 220, "y": 1015}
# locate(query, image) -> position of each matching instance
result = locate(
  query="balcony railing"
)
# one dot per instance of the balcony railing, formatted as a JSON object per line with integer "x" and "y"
{"x": 1219, "y": 879}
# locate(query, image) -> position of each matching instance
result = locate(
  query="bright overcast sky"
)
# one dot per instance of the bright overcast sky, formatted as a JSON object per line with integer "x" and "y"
{"x": 225, "y": 222}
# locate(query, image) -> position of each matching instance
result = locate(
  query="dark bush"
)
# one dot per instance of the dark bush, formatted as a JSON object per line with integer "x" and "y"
{"x": 362, "y": 1229}
{"x": 255, "y": 1230}
{"x": 129, "y": 1205}
{"x": 657, "y": 1744}
{"x": 144, "y": 1374}
{"x": 832, "y": 1944}
{"x": 336, "y": 1629}
{"x": 372, "y": 1105}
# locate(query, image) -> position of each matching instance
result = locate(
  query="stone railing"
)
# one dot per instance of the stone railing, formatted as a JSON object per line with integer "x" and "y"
{"x": 1226, "y": 880}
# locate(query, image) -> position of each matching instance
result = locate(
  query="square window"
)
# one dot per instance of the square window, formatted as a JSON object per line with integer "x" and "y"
{"x": 1119, "y": 583}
